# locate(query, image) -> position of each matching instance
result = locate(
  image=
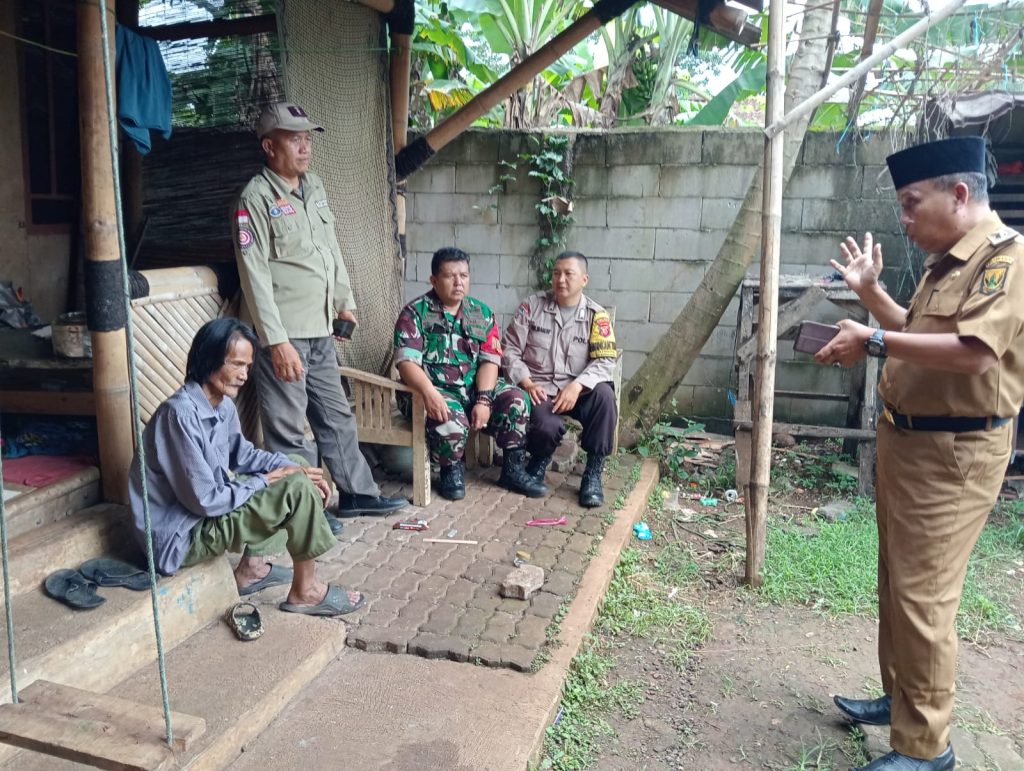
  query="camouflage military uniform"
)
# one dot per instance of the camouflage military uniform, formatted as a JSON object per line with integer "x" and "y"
{"x": 450, "y": 348}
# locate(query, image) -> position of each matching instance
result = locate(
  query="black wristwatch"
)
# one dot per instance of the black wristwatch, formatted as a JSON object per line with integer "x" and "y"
{"x": 875, "y": 345}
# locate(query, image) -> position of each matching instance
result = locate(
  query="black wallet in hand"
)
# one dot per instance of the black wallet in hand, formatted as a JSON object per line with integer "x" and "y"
{"x": 813, "y": 335}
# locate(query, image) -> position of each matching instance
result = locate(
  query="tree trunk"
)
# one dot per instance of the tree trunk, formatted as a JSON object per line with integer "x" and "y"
{"x": 648, "y": 391}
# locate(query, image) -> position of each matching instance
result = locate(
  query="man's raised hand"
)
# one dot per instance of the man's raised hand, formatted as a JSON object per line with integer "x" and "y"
{"x": 863, "y": 263}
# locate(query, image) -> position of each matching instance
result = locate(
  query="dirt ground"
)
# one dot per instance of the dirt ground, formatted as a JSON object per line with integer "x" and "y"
{"x": 758, "y": 694}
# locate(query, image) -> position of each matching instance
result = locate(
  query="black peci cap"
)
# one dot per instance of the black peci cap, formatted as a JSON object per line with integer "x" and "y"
{"x": 936, "y": 159}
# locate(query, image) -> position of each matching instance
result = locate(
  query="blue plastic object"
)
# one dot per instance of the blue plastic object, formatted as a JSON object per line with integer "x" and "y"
{"x": 642, "y": 531}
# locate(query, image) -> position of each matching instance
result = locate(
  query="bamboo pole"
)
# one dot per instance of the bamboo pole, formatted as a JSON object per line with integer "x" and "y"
{"x": 853, "y": 74}
{"x": 99, "y": 221}
{"x": 768, "y": 310}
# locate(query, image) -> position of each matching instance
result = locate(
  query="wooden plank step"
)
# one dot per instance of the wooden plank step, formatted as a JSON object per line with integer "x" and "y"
{"x": 95, "y": 729}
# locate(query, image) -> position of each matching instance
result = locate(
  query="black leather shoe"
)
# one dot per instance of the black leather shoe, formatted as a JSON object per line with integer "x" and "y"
{"x": 866, "y": 711}
{"x": 349, "y": 505}
{"x": 452, "y": 482}
{"x": 334, "y": 523}
{"x": 896, "y": 761}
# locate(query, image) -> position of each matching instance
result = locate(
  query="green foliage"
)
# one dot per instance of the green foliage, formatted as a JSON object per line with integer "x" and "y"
{"x": 638, "y": 604}
{"x": 668, "y": 443}
{"x": 834, "y": 571}
{"x": 550, "y": 162}
{"x": 806, "y": 468}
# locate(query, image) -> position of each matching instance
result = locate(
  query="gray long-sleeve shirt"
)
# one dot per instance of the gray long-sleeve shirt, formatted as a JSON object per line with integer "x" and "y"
{"x": 193, "y": 452}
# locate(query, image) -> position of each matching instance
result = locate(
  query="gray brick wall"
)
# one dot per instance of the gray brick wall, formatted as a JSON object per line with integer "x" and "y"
{"x": 652, "y": 209}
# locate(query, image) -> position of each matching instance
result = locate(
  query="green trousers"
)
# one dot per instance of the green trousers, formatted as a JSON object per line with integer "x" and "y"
{"x": 286, "y": 516}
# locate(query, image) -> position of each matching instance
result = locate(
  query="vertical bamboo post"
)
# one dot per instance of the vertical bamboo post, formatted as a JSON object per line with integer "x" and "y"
{"x": 104, "y": 300}
{"x": 768, "y": 311}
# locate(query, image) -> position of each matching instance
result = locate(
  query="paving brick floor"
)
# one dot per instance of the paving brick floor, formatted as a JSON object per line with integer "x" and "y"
{"x": 441, "y": 600}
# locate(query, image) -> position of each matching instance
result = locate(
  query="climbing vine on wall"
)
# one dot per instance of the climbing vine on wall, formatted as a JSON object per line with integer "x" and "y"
{"x": 550, "y": 162}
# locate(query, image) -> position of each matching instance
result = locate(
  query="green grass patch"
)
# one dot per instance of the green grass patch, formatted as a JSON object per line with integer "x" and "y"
{"x": 832, "y": 567}
{"x": 642, "y": 602}
{"x": 834, "y": 571}
{"x": 570, "y": 743}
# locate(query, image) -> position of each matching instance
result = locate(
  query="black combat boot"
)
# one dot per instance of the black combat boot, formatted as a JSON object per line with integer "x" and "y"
{"x": 452, "y": 484}
{"x": 538, "y": 467}
{"x": 514, "y": 476}
{"x": 591, "y": 492}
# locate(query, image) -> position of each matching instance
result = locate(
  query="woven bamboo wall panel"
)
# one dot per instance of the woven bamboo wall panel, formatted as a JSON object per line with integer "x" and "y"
{"x": 163, "y": 336}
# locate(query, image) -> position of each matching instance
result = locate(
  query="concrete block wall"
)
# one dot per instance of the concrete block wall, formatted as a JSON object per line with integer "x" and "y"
{"x": 651, "y": 209}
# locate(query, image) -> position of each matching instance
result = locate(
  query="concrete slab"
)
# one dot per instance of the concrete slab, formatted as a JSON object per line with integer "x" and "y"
{"x": 372, "y": 711}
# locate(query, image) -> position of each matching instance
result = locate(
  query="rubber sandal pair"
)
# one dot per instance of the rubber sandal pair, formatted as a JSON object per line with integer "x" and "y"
{"x": 245, "y": 621}
{"x": 77, "y": 588}
{"x": 334, "y": 603}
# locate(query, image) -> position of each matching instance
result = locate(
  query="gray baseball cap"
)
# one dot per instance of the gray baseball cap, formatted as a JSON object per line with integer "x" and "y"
{"x": 286, "y": 116}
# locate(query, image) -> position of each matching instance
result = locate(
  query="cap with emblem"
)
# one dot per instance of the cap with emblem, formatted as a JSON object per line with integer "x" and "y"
{"x": 936, "y": 159}
{"x": 285, "y": 116}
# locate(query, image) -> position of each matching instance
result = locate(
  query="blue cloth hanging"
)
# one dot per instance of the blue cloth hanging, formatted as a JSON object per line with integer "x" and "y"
{"x": 143, "y": 89}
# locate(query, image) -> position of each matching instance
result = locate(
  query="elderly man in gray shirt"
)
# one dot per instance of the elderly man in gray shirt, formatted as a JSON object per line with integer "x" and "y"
{"x": 211, "y": 491}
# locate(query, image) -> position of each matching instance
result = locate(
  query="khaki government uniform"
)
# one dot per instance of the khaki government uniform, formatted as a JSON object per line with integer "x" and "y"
{"x": 294, "y": 281}
{"x": 935, "y": 488}
{"x": 294, "y": 284}
{"x": 541, "y": 347}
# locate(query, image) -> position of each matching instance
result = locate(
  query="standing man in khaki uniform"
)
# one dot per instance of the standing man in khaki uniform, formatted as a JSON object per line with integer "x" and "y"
{"x": 952, "y": 384}
{"x": 294, "y": 285}
{"x": 560, "y": 349}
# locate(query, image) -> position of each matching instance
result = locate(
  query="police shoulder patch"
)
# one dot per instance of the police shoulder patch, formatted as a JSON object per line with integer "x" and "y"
{"x": 602, "y": 338}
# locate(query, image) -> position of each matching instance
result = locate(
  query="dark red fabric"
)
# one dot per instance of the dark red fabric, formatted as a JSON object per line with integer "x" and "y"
{"x": 42, "y": 470}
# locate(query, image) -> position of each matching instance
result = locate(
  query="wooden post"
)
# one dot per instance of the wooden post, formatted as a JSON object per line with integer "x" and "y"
{"x": 104, "y": 299}
{"x": 767, "y": 331}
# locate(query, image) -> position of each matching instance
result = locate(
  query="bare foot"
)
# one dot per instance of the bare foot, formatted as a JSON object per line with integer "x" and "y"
{"x": 249, "y": 571}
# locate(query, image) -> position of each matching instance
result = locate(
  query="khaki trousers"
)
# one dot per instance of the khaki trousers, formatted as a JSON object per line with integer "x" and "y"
{"x": 934, "y": 492}
{"x": 288, "y": 513}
